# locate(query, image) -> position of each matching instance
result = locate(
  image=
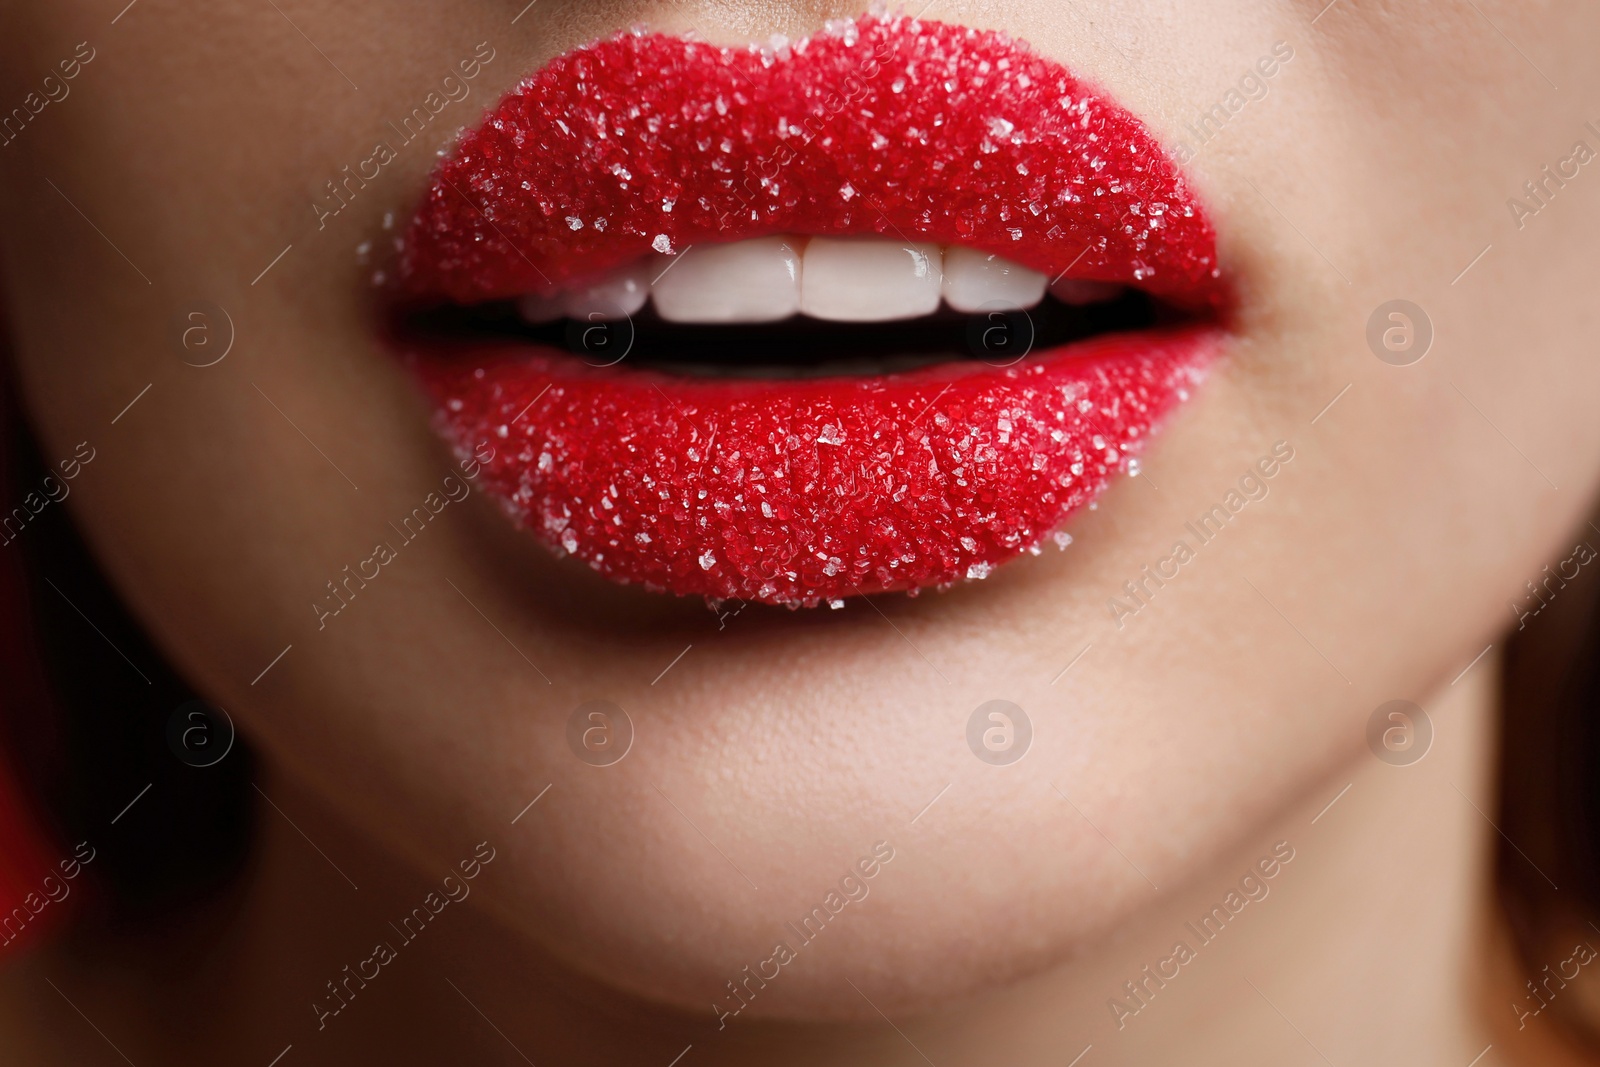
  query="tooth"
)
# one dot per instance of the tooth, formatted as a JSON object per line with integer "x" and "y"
{"x": 541, "y": 309}
{"x": 869, "y": 280}
{"x": 747, "y": 281}
{"x": 1078, "y": 292}
{"x": 617, "y": 296}
{"x": 975, "y": 281}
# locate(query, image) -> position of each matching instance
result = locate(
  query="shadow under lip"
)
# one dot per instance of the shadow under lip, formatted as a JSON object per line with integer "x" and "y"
{"x": 569, "y": 597}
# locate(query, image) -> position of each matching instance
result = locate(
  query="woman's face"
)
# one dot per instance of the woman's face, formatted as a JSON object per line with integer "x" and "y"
{"x": 173, "y": 195}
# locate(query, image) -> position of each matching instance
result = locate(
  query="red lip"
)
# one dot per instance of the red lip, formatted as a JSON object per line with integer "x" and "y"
{"x": 798, "y": 491}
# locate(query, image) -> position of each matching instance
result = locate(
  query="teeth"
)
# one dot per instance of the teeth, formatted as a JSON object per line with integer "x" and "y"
{"x": 869, "y": 281}
{"x": 539, "y": 310}
{"x": 837, "y": 279}
{"x": 750, "y": 281}
{"x": 616, "y": 297}
{"x": 975, "y": 281}
{"x": 1076, "y": 292}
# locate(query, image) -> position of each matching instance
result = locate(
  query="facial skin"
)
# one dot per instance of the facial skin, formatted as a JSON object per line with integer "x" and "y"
{"x": 1374, "y": 165}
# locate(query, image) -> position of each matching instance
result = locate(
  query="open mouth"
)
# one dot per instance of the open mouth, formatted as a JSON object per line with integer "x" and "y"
{"x": 876, "y": 310}
{"x": 793, "y": 307}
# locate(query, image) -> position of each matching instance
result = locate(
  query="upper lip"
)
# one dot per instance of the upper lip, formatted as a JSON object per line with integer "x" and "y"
{"x": 570, "y": 177}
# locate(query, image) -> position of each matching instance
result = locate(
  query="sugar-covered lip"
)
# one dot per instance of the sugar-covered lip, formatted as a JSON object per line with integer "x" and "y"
{"x": 797, "y": 492}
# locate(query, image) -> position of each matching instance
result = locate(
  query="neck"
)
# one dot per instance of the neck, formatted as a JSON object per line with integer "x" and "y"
{"x": 1352, "y": 950}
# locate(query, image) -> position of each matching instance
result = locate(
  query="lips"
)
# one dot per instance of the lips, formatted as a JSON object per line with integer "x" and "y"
{"x": 620, "y": 159}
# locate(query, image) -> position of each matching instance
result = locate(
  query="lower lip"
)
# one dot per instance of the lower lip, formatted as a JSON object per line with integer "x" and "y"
{"x": 809, "y": 491}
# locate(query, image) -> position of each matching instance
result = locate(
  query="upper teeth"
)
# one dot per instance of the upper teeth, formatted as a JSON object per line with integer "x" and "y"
{"x": 974, "y": 281}
{"x": 751, "y": 281}
{"x": 869, "y": 281}
{"x": 839, "y": 279}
